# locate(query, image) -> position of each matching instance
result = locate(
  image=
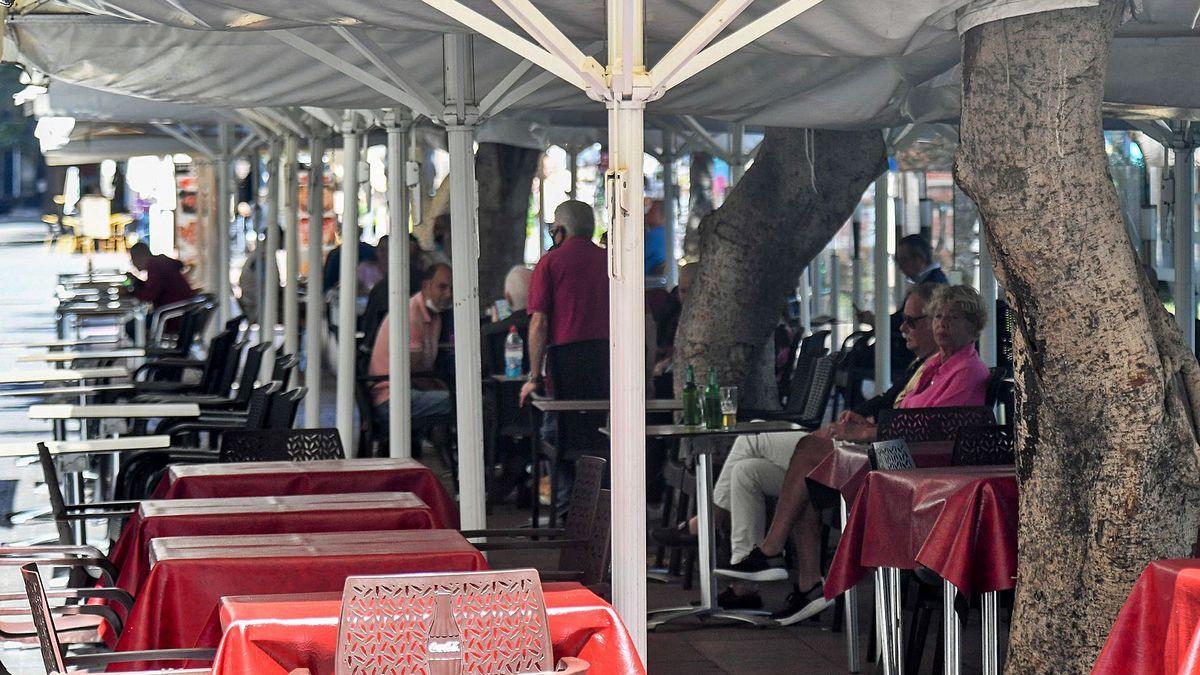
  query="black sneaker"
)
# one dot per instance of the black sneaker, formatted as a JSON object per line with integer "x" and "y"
{"x": 803, "y": 605}
{"x": 674, "y": 536}
{"x": 727, "y": 599}
{"x": 757, "y": 566}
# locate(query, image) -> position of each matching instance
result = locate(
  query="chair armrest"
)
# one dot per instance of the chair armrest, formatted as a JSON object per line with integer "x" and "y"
{"x": 148, "y": 655}
{"x": 108, "y": 573}
{"x": 121, "y": 505}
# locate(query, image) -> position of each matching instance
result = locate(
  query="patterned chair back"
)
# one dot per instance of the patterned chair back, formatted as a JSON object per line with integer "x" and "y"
{"x": 43, "y": 623}
{"x": 468, "y": 623}
{"x": 919, "y": 425}
{"x": 286, "y": 445}
{"x": 982, "y": 445}
{"x": 260, "y": 405}
{"x": 581, "y": 512}
{"x": 890, "y": 455}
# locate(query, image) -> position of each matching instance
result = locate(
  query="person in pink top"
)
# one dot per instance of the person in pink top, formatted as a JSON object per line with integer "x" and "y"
{"x": 954, "y": 376}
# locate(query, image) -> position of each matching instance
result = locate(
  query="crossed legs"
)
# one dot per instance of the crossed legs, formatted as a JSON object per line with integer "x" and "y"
{"x": 794, "y": 513}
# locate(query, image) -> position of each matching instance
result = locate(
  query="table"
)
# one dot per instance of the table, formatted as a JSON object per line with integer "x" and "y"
{"x": 258, "y": 516}
{"x": 34, "y": 375}
{"x": 1158, "y": 628}
{"x": 273, "y": 635}
{"x": 67, "y": 411}
{"x": 86, "y": 447}
{"x": 960, "y": 522}
{"x": 68, "y": 357}
{"x": 81, "y": 391}
{"x": 178, "y": 602}
{"x": 63, "y": 344}
{"x": 706, "y": 544}
{"x": 253, "y": 479}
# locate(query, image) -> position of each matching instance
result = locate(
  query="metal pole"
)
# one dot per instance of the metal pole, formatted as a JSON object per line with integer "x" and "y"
{"x": 572, "y": 166}
{"x": 220, "y": 243}
{"x": 987, "y": 291}
{"x": 835, "y": 291}
{"x": 850, "y": 601}
{"x": 804, "y": 295}
{"x": 289, "y": 203}
{"x": 883, "y": 324}
{"x": 269, "y": 303}
{"x": 856, "y": 286}
{"x": 348, "y": 283}
{"x": 670, "y": 206}
{"x": 1185, "y": 282}
{"x": 950, "y": 629}
{"x": 461, "y": 116}
{"x": 991, "y": 646}
{"x": 399, "y": 366}
{"x": 737, "y": 161}
{"x": 314, "y": 317}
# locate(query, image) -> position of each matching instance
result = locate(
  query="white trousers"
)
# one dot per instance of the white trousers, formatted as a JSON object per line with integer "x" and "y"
{"x": 753, "y": 471}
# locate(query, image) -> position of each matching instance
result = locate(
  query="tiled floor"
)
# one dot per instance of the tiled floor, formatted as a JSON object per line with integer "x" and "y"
{"x": 26, "y": 312}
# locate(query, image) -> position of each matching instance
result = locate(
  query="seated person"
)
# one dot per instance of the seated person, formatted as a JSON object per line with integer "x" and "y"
{"x": 494, "y": 334}
{"x": 950, "y": 374}
{"x": 424, "y": 403}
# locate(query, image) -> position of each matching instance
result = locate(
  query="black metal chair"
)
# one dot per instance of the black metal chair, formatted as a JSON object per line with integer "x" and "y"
{"x": 855, "y": 364}
{"x": 292, "y": 445}
{"x": 284, "y": 406}
{"x": 284, "y": 366}
{"x": 917, "y": 425}
{"x": 256, "y": 416}
{"x": 233, "y": 400}
{"x": 890, "y": 455}
{"x": 164, "y": 375}
{"x": 57, "y": 661}
{"x": 982, "y": 445}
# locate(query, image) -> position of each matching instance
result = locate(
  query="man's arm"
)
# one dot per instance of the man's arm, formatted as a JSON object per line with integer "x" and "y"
{"x": 539, "y": 335}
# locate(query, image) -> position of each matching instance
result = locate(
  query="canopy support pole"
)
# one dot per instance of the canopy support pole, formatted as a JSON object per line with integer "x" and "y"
{"x": 220, "y": 242}
{"x": 398, "y": 122}
{"x": 737, "y": 157}
{"x": 460, "y": 118}
{"x": 856, "y": 289}
{"x": 289, "y": 203}
{"x": 269, "y": 301}
{"x": 348, "y": 283}
{"x": 1185, "y": 282}
{"x": 627, "y": 330}
{"x": 314, "y": 321}
{"x": 883, "y": 323}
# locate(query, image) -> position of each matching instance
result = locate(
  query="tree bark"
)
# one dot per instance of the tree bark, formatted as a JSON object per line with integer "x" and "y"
{"x": 504, "y": 174}
{"x": 1106, "y": 390}
{"x": 801, "y": 189}
{"x": 700, "y": 201}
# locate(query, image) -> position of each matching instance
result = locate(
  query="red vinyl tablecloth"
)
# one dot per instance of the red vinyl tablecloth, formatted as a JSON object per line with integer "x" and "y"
{"x": 844, "y": 469}
{"x": 272, "y": 636}
{"x": 960, "y": 522}
{"x": 1158, "y": 629}
{"x": 261, "y": 479}
{"x": 259, "y": 515}
{"x": 178, "y": 604}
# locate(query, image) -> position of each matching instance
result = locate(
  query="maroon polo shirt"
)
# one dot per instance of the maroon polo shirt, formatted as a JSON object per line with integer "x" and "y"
{"x": 570, "y": 286}
{"x": 165, "y": 282}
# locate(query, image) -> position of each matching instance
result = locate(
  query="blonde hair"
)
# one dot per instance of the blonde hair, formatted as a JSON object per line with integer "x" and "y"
{"x": 964, "y": 299}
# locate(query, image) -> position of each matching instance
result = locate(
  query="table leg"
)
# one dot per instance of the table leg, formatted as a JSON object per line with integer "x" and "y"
{"x": 535, "y": 469}
{"x": 896, "y": 619}
{"x": 850, "y": 600}
{"x": 950, "y": 629}
{"x": 884, "y": 655}
{"x": 991, "y": 648}
{"x": 139, "y": 328}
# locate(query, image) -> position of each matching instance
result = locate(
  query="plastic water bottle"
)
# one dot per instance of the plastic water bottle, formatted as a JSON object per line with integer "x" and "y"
{"x": 514, "y": 353}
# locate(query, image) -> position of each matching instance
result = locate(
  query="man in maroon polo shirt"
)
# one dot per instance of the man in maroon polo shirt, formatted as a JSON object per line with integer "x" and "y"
{"x": 568, "y": 294}
{"x": 164, "y": 282}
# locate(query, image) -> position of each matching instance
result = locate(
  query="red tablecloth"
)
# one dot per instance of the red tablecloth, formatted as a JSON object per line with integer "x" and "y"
{"x": 846, "y": 467}
{"x": 960, "y": 522}
{"x": 260, "y": 479}
{"x": 1158, "y": 629}
{"x": 178, "y": 604}
{"x": 271, "y": 636}
{"x": 259, "y": 515}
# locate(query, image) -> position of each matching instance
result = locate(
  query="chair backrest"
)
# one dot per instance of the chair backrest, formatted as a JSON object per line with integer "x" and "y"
{"x": 58, "y": 505}
{"x": 581, "y": 510}
{"x": 272, "y": 445}
{"x": 223, "y": 386}
{"x": 599, "y": 548}
{"x": 473, "y": 623}
{"x": 815, "y": 343}
{"x": 258, "y": 408}
{"x": 250, "y": 371}
{"x": 43, "y": 623}
{"x": 890, "y": 455}
{"x": 800, "y": 383}
{"x": 281, "y": 372}
{"x": 220, "y": 350}
{"x": 917, "y": 425}
{"x": 982, "y": 445}
{"x": 284, "y": 406}
{"x": 819, "y": 388}
{"x": 1001, "y": 392}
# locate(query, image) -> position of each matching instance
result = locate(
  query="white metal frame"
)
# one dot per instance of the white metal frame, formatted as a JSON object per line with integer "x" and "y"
{"x": 348, "y": 284}
{"x": 314, "y": 324}
{"x": 399, "y": 123}
{"x": 289, "y": 210}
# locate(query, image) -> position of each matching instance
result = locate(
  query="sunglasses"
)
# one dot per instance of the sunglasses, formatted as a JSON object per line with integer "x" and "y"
{"x": 911, "y": 321}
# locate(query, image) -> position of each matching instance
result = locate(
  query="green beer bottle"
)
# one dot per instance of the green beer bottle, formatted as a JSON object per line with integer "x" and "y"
{"x": 691, "y": 399}
{"x": 712, "y": 401}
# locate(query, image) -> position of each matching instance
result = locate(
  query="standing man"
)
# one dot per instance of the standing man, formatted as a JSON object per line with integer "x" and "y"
{"x": 568, "y": 300}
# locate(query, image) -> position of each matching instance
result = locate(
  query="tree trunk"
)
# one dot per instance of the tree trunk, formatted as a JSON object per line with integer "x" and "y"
{"x": 1106, "y": 451}
{"x": 800, "y": 190}
{"x": 504, "y": 174}
{"x": 700, "y": 201}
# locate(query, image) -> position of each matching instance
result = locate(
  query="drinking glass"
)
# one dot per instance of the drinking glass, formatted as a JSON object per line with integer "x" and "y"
{"x": 729, "y": 406}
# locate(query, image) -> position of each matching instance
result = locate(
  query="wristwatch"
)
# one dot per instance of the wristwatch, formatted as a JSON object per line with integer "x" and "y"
{"x": 536, "y": 379}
